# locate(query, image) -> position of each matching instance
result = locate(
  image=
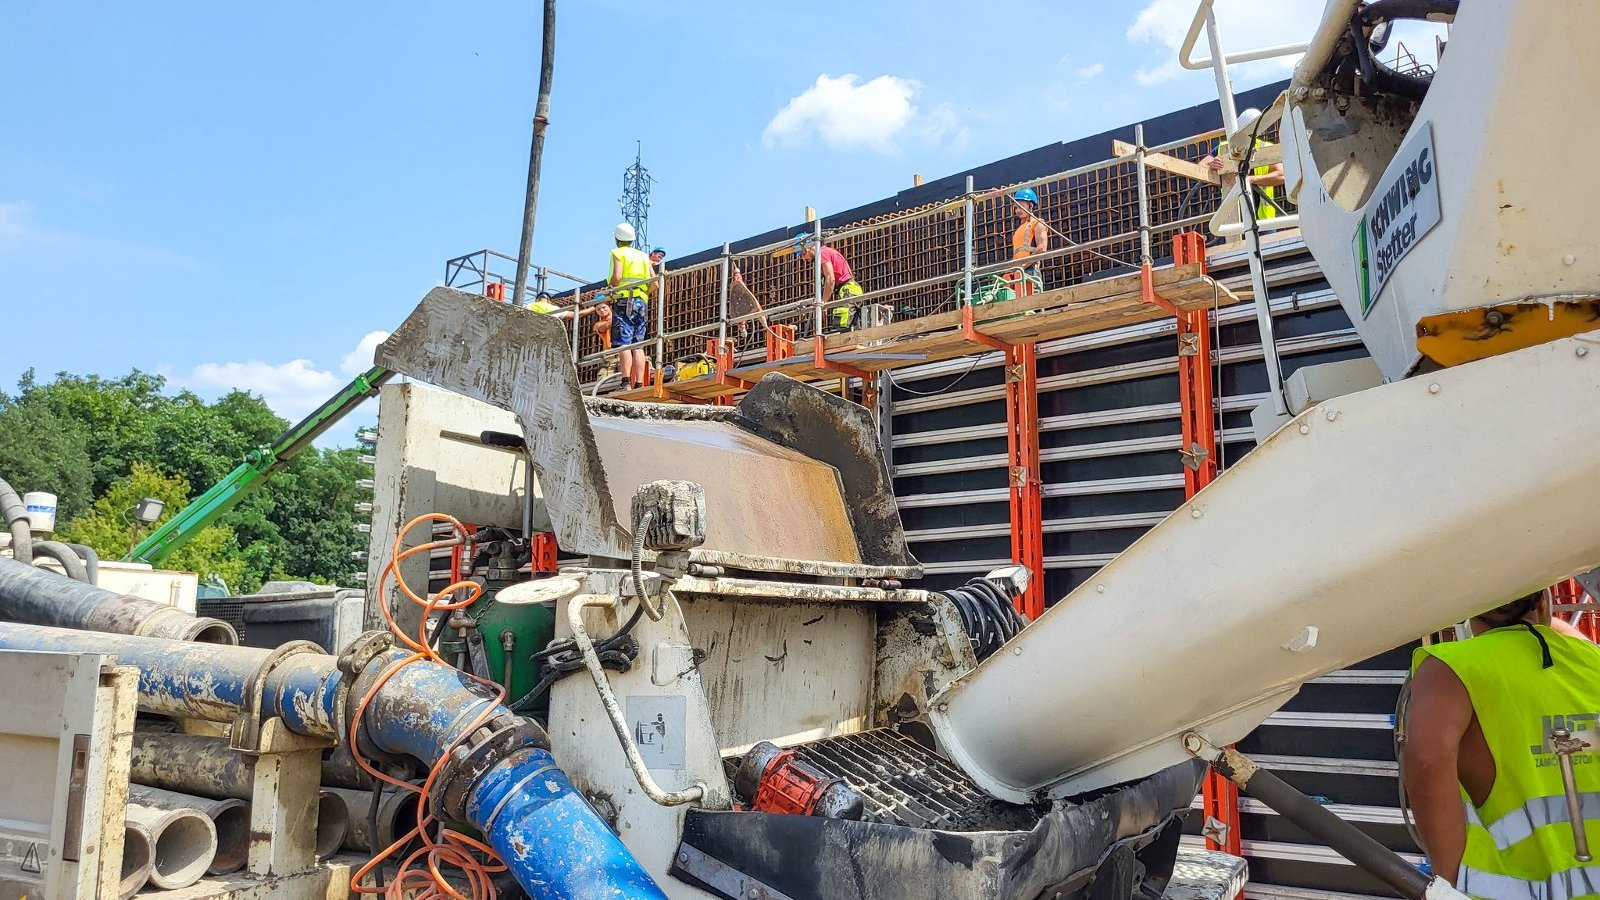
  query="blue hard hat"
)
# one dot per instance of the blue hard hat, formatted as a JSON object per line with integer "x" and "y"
{"x": 1028, "y": 195}
{"x": 660, "y": 250}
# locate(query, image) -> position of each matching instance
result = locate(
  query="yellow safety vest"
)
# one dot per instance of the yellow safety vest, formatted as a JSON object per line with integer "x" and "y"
{"x": 543, "y": 306}
{"x": 1265, "y": 208}
{"x": 1519, "y": 842}
{"x": 635, "y": 265}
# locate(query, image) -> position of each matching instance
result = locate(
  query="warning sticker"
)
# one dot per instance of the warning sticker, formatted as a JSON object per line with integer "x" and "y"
{"x": 658, "y": 725}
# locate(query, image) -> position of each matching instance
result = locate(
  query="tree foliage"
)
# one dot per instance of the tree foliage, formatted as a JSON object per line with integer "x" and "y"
{"x": 98, "y": 442}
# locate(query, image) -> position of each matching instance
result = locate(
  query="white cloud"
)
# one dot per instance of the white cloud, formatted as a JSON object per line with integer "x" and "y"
{"x": 360, "y": 359}
{"x": 846, "y": 113}
{"x": 293, "y": 389}
{"x": 1243, "y": 24}
{"x": 1092, "y": 70}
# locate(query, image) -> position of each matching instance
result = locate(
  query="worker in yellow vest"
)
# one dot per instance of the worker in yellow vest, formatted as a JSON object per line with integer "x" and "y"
{"x": 544, "y": 304}
{"x": 629, "y": 278}
{"x": 1264, "y": 180}
{"x": 1492, "y": 725}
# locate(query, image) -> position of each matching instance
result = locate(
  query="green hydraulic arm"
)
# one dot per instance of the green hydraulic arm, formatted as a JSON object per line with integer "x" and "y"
{"x": 257, "y": 465}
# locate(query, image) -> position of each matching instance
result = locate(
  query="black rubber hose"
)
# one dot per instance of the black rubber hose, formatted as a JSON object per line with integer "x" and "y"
{"x": 16, "y": 519}
{"x": 91, "y": 560}
{"x": 1389, "y": 10}
{"x": 66, "y": 556}
{"x": 987, "y": 615}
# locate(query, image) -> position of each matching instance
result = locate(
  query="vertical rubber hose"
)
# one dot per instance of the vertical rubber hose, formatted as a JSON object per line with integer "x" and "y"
{"x": 16, "y": 519}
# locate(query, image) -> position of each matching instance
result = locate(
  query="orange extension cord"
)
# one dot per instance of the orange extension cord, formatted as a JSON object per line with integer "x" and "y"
{"x": 421, "y": 873}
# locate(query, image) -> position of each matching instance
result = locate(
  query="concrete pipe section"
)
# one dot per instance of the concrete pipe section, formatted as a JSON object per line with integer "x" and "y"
{"x": 138, "y": 857}
{"x": 185, "y": 842}
{"x": 333, "y": 823}
{"x": 230, "y": 817}
{"x": 41, "y": 597}
{"x": 397, "y": 814}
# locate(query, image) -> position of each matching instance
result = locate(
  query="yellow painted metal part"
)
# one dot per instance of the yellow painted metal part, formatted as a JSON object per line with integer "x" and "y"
{"x": 702, "y": 365}
{"x": 1453, "y": 338}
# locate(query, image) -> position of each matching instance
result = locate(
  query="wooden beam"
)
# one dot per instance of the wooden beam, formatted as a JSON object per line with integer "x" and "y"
{"x": 1167, "y": 163}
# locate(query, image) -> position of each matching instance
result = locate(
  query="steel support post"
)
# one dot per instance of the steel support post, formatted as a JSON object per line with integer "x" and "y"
{"x": 1022, "y": 440}
{"x": 1198, "y": 419}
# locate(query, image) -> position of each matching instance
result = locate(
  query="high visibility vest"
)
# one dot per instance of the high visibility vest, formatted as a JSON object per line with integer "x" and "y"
{"x": 543, "y": 306}
{"x": 1265, "y": 208}
{"x": 635, "y": 265}
{"x": 1519, "y": 842}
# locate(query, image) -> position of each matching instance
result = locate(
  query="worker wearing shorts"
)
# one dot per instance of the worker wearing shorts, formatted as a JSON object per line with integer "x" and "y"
{"x": 630, "y": 301}
{"x": 630, "y": 321}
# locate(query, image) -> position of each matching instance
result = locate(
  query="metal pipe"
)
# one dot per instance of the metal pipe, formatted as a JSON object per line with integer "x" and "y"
{"x": 1144, "y": 195}
{"x": 1204, "y": 14}
{"x": 397, "y": 814}
{"x": 138, "y": 858}
{"x": 230, "y": 818}
{"x": 724, "y": 277}
{"x": 71, "y": 564}
{"x": 1335, "y": 25}
{"x": 968, "y": 260}
{"x": 420, "y": 710}
{"x": 816, "y": 274}
{"x": 40, "y": 597}
{"x": 333, "y": 823}
{"x": 184, "y": 841}
{"x": 17, "y": 522}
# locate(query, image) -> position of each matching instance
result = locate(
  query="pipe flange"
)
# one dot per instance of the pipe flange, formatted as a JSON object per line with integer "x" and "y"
{"x": 364, "y": 650}
{"x": 491, "y": 743}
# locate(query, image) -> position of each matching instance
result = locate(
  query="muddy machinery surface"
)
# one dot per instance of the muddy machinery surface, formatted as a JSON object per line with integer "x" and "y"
{"x": 770, "y": 611}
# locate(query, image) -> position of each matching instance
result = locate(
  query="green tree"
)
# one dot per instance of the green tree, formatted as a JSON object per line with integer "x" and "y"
{"x": 115, "y": 415}
{"x": 109, "y": 529}
{"x": 41, "y": 452}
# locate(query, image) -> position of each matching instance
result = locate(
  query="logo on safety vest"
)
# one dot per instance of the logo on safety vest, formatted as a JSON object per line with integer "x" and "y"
{"x": 1579, "y": 725}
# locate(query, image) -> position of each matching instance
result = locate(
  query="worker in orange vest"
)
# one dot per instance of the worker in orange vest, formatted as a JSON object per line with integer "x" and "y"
{"x": 1031, "y": 237}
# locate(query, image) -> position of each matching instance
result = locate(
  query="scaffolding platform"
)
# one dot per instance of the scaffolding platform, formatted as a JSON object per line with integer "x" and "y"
{"x": 1061, "y": 312}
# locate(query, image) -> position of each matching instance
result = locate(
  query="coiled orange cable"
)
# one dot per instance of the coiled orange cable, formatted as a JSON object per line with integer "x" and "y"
{"x": 421, "y": 873}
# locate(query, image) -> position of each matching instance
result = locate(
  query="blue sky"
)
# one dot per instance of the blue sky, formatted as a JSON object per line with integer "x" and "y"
{"x": 242, "y": 194}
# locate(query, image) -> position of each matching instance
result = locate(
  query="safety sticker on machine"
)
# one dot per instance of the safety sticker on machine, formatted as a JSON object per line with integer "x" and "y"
{"x": 658, "y": 728}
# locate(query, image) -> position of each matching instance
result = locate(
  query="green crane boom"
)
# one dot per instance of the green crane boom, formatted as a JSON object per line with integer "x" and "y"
{"x": 260, "y": 463}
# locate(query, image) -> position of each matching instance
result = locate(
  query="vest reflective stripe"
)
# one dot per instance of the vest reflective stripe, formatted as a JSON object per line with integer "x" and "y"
{"x": 1568, "y": 884}
{"x": 1518, "y": 825}
{"x": 635, "y": 267}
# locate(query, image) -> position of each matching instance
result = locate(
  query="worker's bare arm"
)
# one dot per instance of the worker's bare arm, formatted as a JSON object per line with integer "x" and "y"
{"x": 1438, "y": 716}
{"x": 1272, "y": 178}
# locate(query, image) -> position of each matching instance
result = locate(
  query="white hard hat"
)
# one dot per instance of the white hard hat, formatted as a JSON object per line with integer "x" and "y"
{"x": 624, "y": 232}
{"x": 1249, "y": 116}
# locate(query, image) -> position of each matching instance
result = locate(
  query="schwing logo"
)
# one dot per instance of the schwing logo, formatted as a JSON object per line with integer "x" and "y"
{"x": 1579, "y": 725}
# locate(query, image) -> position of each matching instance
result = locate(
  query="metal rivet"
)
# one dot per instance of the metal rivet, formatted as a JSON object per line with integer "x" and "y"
{"x": 1333, "y": 414}
{"x": 944, "y": 707}
{"x": 1582, "y": 352}
{"x": 1433, "y": 388}
{"x": 1016, "y": 651}
{"x": 1099, "y": 589}
{"x": 1569, "y": 259}
{"x": 1305, "y": 429}
{"x": 1194, "y": 513}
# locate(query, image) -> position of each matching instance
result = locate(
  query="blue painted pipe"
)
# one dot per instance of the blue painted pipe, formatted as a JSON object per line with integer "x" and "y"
{"x": 554, "y": 843}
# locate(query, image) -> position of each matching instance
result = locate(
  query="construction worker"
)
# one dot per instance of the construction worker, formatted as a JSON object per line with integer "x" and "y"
{"x": 1032, "y": 236}
{"x": 630, "y": 303}
{"x": 838, "y": 283}
{"x": 544, "y": 304}
{"x": 658, "y": 256}
{"x": 1482, "y": 755}
{"x": 1265, "y": 180}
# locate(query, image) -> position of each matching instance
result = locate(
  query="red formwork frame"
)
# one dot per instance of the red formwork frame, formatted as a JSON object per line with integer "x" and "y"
{"x": 1022, "y": 460}
{"x": 1197, "y": 414}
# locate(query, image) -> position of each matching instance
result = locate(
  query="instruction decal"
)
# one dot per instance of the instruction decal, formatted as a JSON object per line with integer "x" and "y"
{"x": 1401, "y": 211}
{"x": 30, "y": 860}
{"x": 658, "y": 725}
